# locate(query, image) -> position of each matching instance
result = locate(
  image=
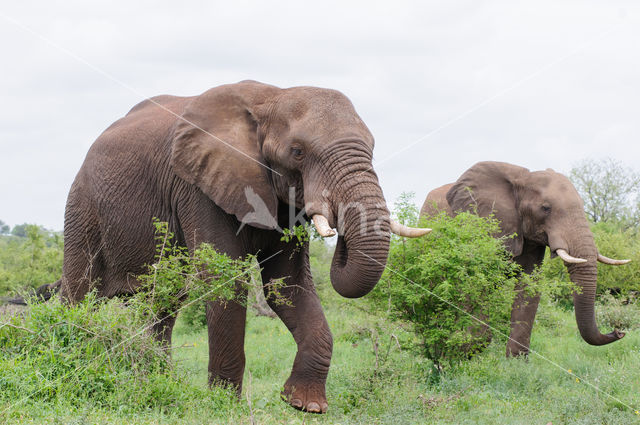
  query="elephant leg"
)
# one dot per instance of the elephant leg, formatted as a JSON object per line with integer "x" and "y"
{"x": 203, "y": 221}
{"x": 163, "y": 328}
{"x": 83, "y": 270}
{"x": 226, "y": 325}
{"x": 303, "y": 316}
{"x": 525, "y": 304}
{"x": 523, "y": 313}
{"x": 83, "y": 266}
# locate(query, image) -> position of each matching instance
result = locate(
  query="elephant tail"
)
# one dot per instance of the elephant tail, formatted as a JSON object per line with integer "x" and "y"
{"x": 41, "y": 294}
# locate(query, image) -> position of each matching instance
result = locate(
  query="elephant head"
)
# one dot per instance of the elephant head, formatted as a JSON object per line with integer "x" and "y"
{"x": 252, "y": 147}
{"x": 541, "y": 208}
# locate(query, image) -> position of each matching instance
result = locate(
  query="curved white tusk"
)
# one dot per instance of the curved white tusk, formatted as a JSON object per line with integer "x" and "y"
{"x": 611, "y": 261}
{"x": 408, "y": 232}
{"x": 569, "y": 259}
{"x": 322, "y": 226}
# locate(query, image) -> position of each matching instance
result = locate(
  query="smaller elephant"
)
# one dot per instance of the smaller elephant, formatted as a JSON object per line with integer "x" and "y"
{"x": 542, "y": 209}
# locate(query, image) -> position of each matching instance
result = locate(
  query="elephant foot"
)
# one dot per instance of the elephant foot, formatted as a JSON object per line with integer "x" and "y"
{"x": 517, "y": 351}
{"x": 305, "y": 396}
{"x": 227, "y": 383}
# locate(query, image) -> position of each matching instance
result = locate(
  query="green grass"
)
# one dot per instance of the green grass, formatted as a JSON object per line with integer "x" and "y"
{"x": 399, "y": 389}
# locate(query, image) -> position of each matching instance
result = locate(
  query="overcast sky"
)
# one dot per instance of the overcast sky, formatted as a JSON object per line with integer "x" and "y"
{"x": 441, "y": 85}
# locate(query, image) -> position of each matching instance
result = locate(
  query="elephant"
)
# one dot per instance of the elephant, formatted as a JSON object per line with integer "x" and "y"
{"x": 540, "y": 209}
{"x": 232, "y": 167}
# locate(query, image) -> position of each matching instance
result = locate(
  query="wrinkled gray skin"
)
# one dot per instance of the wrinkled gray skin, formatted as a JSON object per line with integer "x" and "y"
{"x": 544, "y": 210}
{"x": 151, "y": 163}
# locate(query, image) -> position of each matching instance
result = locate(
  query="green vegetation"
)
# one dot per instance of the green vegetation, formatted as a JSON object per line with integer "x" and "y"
{"x": 94, "y": 354}
{"x": 619, "y": 313}
{"x": 31, "y": 260}
{"x": 95, "y": 362}
{"x": 377, "y": 374}
{"x": 453, "y": 286}
{"x": 178, "y": 278}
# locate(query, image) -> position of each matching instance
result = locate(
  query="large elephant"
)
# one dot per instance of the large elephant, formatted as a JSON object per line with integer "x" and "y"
{"x": 231, "y": 167}
{"x": 543, "y": 209}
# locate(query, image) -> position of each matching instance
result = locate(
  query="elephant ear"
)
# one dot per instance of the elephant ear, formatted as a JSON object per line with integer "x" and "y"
{"x": 491, "y": 187}
{"x": 216, "y": 147}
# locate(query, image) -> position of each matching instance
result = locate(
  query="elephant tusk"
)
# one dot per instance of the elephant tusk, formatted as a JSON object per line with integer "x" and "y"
{"x": 611, "y": 261}
{"x": 322, "y": 226}
{"x": 569, "y": 259}
{"x": 408, "y": 232}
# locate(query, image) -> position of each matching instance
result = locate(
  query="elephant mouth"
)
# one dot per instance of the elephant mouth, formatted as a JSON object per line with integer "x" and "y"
{"x": 363, "y": 228}
{"x": 568, "y": 258}
{"x": 321, "y": 224}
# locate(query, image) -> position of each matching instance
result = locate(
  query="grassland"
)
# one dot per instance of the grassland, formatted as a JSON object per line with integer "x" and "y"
{"x": 378, "y": 377}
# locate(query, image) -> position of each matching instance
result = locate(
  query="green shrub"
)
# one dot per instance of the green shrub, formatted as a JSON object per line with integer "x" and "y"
{"x": 183, "y": 281}
{"x": 103, "y": 353}
{"x": 179, "y": 279}
{"x": 194, "y": 315}
{"x": 438, "y": 282}
{"x": 95, "y": 352}
{"x": 320, "y": 260}
{"x": 616, "y": 312}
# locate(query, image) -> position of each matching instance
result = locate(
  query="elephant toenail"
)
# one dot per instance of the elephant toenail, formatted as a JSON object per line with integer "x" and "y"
{"x": 295, "y": 402}
{"x": 325, "y": 407}
{"x": 313, "y": 407}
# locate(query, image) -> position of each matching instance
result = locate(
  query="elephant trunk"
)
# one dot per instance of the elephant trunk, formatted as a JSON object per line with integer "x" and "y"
{"x": 361, "y": 216}
{"x": 362, "y": 249}
{"x": 584, "y": 275}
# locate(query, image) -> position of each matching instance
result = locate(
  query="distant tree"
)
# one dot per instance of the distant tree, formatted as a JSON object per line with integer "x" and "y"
{"x": 4, "y": 228}
{"x": 609, "y": 190}
{"x": 20, "y": 230}
{"x": 30, "y": 261}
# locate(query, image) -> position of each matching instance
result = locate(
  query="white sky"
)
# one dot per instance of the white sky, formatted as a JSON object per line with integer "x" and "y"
{"x": 539, "y": 84}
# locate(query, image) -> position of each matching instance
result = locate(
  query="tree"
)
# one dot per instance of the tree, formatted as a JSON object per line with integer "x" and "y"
{"x": 4, "y": 228}
{"x": 20, "y": 230}
{"x": 609, "y": 190}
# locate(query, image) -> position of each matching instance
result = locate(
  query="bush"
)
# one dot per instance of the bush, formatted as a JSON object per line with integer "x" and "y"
{"x": 617, "y": 313}
{"x": 439, "y": 281}
{"x": 103, "y": 353}
{"x": 182, "y": 281}
{"x": 195, "y": 317}
{"x": 178, "y": 277}
{"x": 95, "y": 352}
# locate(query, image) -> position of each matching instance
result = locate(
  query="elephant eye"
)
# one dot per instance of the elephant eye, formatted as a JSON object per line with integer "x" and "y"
{"x": 546, "y": 209}
{"x": 297, "y": 152}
